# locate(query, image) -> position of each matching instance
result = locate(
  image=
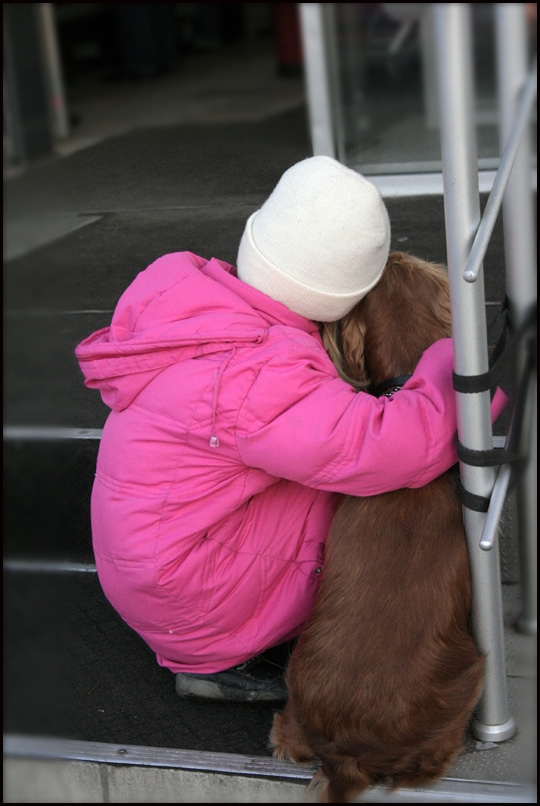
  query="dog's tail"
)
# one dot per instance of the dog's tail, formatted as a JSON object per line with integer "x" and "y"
{"x": 340, "y": 778}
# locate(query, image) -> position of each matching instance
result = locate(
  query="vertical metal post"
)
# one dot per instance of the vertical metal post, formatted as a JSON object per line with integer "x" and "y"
{"x": 29, "y": 126}
{"x": 519, "y": 239}
{"x": 312, "y": 25}
{"x": 333, "y": 55}
{"x": 429, "y": 80}
{"x": 455, "y": 78}
{"x": 53, "y": 71}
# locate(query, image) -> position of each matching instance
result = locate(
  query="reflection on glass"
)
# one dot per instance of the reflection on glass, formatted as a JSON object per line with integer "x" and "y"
{"x": 386, "y": 106}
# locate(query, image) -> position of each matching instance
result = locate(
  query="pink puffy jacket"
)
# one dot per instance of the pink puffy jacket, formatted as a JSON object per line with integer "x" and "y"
{"x": 229, "y": 436}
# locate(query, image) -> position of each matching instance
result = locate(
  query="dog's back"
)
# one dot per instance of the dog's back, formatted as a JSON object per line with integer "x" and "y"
{"x": 385, "y": 676}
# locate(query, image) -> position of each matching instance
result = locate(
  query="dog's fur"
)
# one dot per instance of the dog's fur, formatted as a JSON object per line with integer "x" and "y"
{"x": 385, "y": 675}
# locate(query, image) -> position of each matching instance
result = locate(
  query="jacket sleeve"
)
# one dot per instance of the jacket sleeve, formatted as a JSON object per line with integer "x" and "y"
{"x": 299, "y": 423}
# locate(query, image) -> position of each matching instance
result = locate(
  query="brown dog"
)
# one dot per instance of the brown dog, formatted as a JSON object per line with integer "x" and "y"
{"x": 386, "y": 674}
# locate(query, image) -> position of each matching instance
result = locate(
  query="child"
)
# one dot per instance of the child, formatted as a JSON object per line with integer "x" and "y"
{"x": 231, "y": 433}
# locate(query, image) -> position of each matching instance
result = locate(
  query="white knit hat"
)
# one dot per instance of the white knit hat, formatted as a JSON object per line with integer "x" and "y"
{"x": 319, "y": 243}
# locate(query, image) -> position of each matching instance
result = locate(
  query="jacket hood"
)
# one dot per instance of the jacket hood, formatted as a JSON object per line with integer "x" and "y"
{"x": 181, "y": 307}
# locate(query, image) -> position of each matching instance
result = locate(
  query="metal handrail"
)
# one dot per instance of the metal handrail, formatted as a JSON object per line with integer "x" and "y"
{"x": 495, "y": 199}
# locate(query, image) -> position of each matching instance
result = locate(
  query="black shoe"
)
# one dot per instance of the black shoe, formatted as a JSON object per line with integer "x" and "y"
{"x": 256, "y": 679}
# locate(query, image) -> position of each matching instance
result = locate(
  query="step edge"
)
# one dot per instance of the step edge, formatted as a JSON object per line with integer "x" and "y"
{"x": 21, "y": 746}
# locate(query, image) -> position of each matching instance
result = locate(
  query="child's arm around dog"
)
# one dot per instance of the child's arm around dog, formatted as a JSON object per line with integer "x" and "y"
{"x": 299, "y": 423}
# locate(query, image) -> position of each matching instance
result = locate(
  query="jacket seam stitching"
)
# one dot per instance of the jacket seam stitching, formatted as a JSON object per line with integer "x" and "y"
{"x": 168, "y": 492}
{"x": 329, "y": 473}
{"x": 261, "y": 368}
{"x": 429, "y": 446}
{"x": 355, "y": 445}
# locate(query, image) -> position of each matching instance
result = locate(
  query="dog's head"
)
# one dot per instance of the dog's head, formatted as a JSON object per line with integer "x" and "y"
{"x": 387, "y": 332}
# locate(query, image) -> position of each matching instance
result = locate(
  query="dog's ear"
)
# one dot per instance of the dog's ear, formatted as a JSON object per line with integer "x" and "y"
{"x": 439, "y": 300}
{"x": 422, "y": 285}
{"x": 353, "y": 332}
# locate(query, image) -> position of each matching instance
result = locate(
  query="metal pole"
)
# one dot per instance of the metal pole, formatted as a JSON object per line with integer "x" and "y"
{"x": 429, "y": 80}
{"x": 53, "y": 71}
{"x": 462, "y": 214}
{"x": 337, "y": 127}
{"x": 28, "y": 121}
{"x": 317, "y": 79}
{"x": 520, "y": 238}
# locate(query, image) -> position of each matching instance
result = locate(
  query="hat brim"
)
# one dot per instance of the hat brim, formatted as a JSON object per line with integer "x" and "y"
{"x": 256, "y": 270}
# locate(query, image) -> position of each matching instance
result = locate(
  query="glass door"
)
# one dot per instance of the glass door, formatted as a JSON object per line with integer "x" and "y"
{"x": 381, "y": 78}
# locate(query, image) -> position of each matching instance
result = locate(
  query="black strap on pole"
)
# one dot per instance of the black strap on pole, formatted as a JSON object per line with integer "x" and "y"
{"x": 504, "y": 350}
{"x": 471, "y": 384}
{"x": 478, "y": 503}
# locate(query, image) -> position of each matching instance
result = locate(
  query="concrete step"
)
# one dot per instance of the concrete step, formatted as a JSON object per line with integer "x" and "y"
{"x": 159, "y": 167}
{"x": 47, "y": 488}
{"x": 90, "y": 266}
